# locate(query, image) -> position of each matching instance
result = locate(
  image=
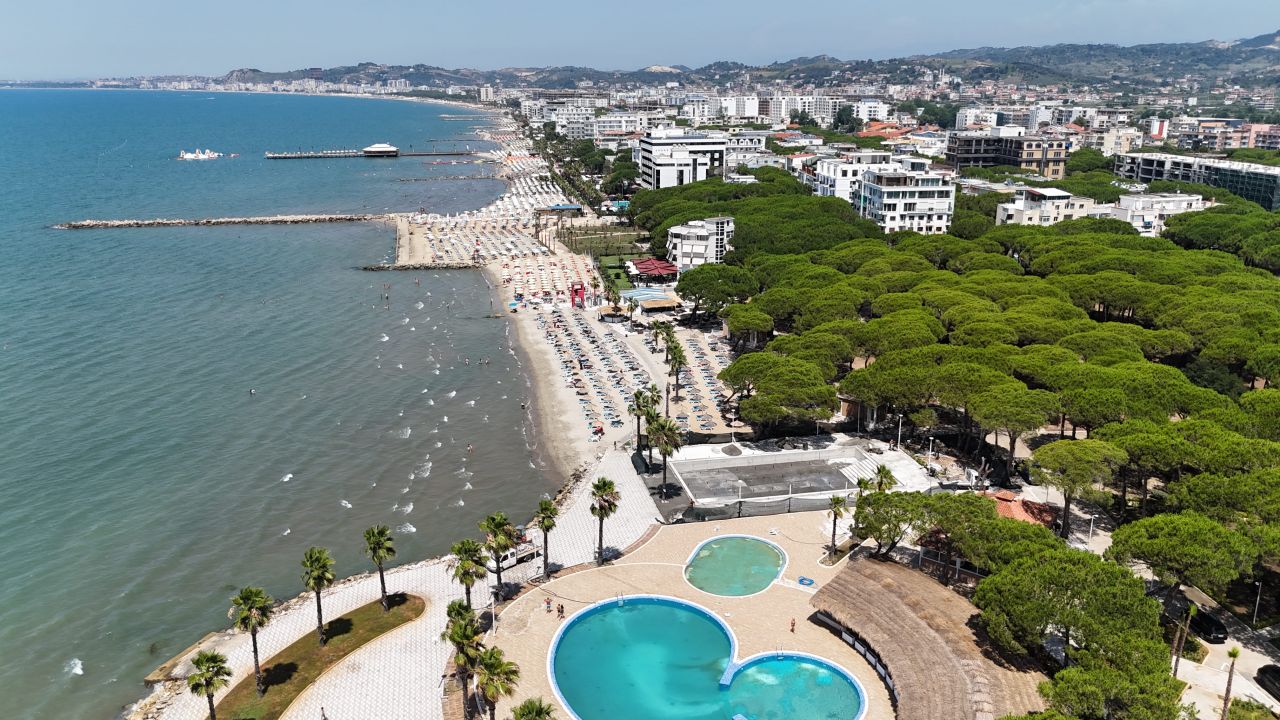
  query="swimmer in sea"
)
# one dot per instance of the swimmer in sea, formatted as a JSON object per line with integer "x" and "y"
{"x": 252, "y": 391}
{"x": 470, "y": 449}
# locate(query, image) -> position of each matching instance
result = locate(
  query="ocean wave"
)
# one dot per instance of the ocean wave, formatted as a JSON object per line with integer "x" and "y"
{"x": 404, "y": 433}
{"x": 424, "y": 391}
{"x": 404, "y": 321}
{"x": 471, "y": 403}
{"x": 287, "y": 477}
{"x": 460, "y": 503}
{"x": 419, "y": 304}
{"x": 383, "y": 338}
{"x": 451, "y": 394}
{"x": 407, "y": 509}
{"x": 406, "y": 528}
{"x": 467, "y": 486}
{"x": 73, "y": 667}
{"x": 445, "y": 418}
{"x": 286, "y": 532}
{"x": 344, "y": 503}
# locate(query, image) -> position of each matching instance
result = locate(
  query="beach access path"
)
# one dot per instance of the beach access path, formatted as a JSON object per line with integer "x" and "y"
{"x": 400, "y": 675}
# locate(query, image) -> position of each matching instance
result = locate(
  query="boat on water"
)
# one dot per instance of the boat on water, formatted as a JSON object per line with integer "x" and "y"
{"x": 199, "y": 154}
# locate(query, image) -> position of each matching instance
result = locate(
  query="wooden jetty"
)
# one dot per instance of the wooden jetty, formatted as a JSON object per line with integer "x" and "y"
{"x": 211, "y": 222}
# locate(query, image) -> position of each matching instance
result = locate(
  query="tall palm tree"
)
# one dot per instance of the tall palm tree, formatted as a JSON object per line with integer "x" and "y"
{"x": 678, "y": 361}
{"x": 545, "y": 520}
{"x": 500, "y": 536}
{"x": 317, "y": 574}
{"x": 638, "y": 407}
{"x": 468, "y": 564}
{"x": 884, "y": 479}
{"x": 864, "y": 486}
{"x": 250, "y": 611}
{"x": 497, "y": 678}
{"x": 379, "y": 545}
{"x": 464, "y": 634}
{"x": 669, "y": 437}
{"x": 651, "y": 417}
{"x": 838, "y": 505}
{"x": 211, "y": 675}
{"x": 604, "y": 502}
{"x": 1233, "y": 653}
{"x": 534, "y": 709}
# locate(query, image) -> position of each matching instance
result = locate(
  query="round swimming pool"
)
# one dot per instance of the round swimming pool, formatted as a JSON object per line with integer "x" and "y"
{"x": 734, "y": 565}
{"x": 654, "y": 658}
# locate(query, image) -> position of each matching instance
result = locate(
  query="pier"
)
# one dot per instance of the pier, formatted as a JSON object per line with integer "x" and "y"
{"x": 329, "y": 154}
{"x": 211, "y": 222}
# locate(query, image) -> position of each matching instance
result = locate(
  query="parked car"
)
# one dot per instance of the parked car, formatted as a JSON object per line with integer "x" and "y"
{"x": 1268, "y": 678}
{"x": 522, "y": 553}
{"x": 1208, "y": 627}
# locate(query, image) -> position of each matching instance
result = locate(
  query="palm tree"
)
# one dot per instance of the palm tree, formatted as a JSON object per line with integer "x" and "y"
{"x": 464, "y": 634}
{"x": 545, "y": 520}
{"x": 378, "y": 544}
{"x": 533, "y": 709}
{"x": 500, "y": 536}
{"x": 668, "y": 436}
{"x": 864, "y": 485}
{"x": 211, "y": 675}
{"x": 1233, "y": 653}
{"x": 838, "y": 506}
{"x": 497, "y": 678}
{"x": 250, "y": 611}
{"x": 678, "y": 361}
{"x": 468, "y": 564}
{"x": 884, "y": 479}
{"x": 638, "y": 407}
{"x": 651, "y": 417}
{"x": 604, "y": 502}
{"x": 317, "y": 574}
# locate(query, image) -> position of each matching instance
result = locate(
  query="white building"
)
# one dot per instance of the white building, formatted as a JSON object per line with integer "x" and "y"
{"x": 699, "y": 242}
{"x": 870, "y": 110}
{"x": 575, "y": 122}
{"x": 1043, "y": 206}
{"x": 740, "y": 106}
{"x": 1113, "y": 141}
{"x": 672, "y": 157}
{"x": 1147, "y": 213}
{"x": 838, "y": 177}
{"x": 907, "y": 195}
{"x": 486, "y": 93}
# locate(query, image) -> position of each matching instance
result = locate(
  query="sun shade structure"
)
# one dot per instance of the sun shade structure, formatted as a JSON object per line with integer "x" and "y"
{"x": 653, "y": 267}
{"x": 916, "y": 634}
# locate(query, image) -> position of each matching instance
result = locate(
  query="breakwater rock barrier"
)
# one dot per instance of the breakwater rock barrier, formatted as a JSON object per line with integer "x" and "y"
{"x": 423, "y": 266}
{"x": 211, "y": 222}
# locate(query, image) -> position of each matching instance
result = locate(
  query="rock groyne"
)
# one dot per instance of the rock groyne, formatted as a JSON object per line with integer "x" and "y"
{"x": 210, "y": 222}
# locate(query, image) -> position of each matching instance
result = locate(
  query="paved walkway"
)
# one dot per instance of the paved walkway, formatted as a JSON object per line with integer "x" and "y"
{"x": 399, "y": 676}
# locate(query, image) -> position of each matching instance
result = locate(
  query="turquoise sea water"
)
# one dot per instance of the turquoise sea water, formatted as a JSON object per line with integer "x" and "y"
{"x": 140, "y": 482}
{"x": 654, "y": 658}
{"x": 734, "y": 566}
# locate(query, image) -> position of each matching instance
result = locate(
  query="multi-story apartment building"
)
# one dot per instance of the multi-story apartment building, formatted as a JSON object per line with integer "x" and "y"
{"x": 1208, "y": 134}
{"x": 1112, "y": 141}
{"x": 1033, "y": 153}
{"x": 1264, "y": 137}
{"x": 699, "y": 242}
{"x": 906, "y": 195}
{"x": 674, "y": 156}
{"x": 838, "y": 177}
{"x": 1147, "y": 213}
{"x": 1042, "y": 206}
{"x": 1251, "y": 181}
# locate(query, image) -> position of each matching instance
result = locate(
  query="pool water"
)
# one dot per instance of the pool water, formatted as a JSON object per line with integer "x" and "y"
{"x": 734, "y": 566}
{"x": 661, "y": 659}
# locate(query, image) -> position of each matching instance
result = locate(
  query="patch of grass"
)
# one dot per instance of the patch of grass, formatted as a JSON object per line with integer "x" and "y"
{"x": 295, "y": 668}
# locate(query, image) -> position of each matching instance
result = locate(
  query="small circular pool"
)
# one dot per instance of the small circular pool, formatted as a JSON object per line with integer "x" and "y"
{"x": 657, "y": 658}
{"x": 734, "y": 565}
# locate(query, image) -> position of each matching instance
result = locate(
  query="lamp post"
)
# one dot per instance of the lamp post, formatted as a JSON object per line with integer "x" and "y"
{"x": 1257, "y": 602}
{"x": 930, "y": 455}
{"x": 1091, "y": 519}
{"x": 898, "y": 446}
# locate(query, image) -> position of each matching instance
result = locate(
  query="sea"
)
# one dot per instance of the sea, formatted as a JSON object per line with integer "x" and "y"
{"x": 184, "y": 411}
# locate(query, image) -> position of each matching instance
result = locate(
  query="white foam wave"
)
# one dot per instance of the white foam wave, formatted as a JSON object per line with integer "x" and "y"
{"x": 459, "y": 504}
{"x": 430, "y": 401}
{"x": 404, "y": 433}
{"x": 467, "y": 486}
{"x": 344, "y": 503}
{"x": 424, "y": 391}
{"x": 74, "y": 667}
{"x": 419, "y": 305}
{"x": 436, "y": 371}
{"x": 406, "y": 528}
{"x": 383, "y": 338}
{"x": 287, "y": 477}
{"x": 286, "y": 532}
{"x": 471, "y": 403}
{"x": 445, "y": 418}
{"x": 451, "y": 394}
{"x": 407, "y": 509}
{"x": 404, "y": 321}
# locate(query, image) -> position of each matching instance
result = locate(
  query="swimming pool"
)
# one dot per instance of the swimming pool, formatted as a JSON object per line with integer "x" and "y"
{"x": 734, "y": 565}
{"x": 658, "y": 658}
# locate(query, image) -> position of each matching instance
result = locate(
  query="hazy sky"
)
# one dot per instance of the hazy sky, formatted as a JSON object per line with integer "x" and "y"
{"x": 65, "y": 39}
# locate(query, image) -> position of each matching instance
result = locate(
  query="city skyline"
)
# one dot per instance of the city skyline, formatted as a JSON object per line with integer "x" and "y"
{"x": 68, "y": 41}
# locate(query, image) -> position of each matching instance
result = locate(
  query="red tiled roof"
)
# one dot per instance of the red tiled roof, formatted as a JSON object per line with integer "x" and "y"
{"x": 654, "y": 266}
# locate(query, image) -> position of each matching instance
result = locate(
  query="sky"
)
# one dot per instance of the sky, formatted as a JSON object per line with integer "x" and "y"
{"x": 81, "y": 39}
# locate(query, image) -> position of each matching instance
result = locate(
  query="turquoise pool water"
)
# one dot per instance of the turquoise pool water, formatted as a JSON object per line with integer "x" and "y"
{"x": 660, "y": 659}
{"x": 734, "y": 566}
